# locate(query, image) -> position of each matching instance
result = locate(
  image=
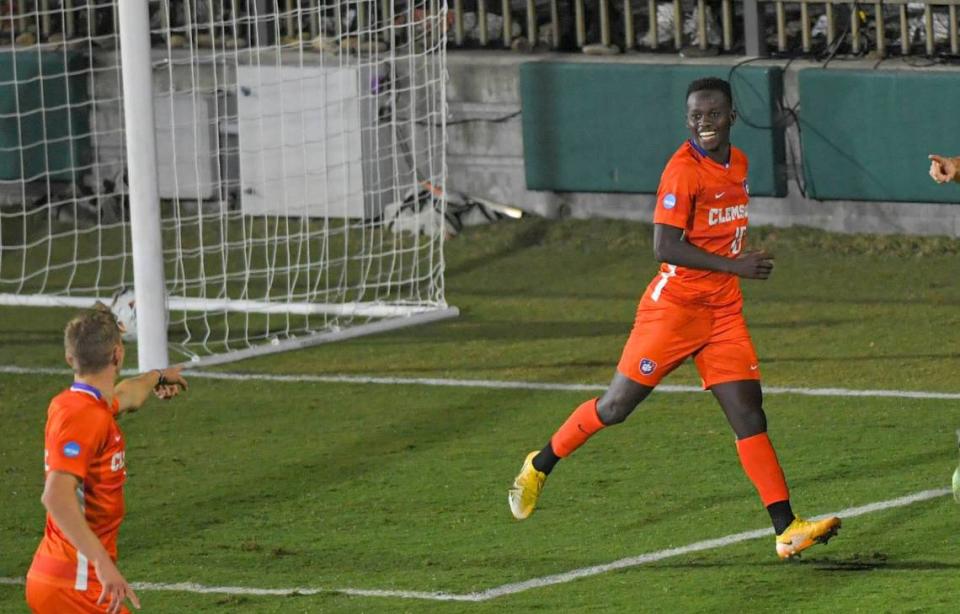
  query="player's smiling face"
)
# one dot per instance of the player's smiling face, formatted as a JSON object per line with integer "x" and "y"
{"x": 709, "y": 118}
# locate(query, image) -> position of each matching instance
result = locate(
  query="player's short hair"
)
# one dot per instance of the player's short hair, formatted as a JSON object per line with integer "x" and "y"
{"x": 90, "y": 338}
{"x": 712, "y": 84}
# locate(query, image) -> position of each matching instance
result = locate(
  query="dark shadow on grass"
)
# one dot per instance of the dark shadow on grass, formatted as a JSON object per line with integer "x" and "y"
{"x": 35, "y": 334}
{"x": 854, "y": 563}
{"x": 12, "y": 333}
{"x": 797, "y": 486}
{"x": 879, "y": 470}
{"x": 865, "y": 358}
{"x": 862, "y": 301}
{"x": 30, "y": 339}
{"x": 632, "y": 296}
{"x": 493, "y": 330}
{"x": 868, "y": 564}
{"x": 530, "y": 236}
{"x": 798, "y": 324}
{"x": 632, "y": 293}
{"x": 465, "y": 330}
{"x": 468, "y": 368}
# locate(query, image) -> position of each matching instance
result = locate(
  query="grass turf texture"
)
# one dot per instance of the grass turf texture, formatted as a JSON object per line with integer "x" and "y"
{"x": 403, "y": 487}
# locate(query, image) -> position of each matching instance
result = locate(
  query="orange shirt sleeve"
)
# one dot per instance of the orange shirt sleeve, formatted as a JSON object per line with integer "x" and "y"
{"x": 73, "y": 439}
{"x": 676, "y": 195}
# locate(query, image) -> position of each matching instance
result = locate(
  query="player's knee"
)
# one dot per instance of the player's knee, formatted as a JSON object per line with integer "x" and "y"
{"x": 614, "y": 409}
{"x": 749, "y": 422}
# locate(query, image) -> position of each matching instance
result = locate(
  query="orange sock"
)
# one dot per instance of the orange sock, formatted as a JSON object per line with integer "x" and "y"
{"x": 762, "y": 467}
{"x": 578, "y": 428}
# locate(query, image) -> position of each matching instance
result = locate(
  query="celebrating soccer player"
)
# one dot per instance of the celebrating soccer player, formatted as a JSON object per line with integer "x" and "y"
{"x": 694, "y": 307}
{"x": 74, "y": 568}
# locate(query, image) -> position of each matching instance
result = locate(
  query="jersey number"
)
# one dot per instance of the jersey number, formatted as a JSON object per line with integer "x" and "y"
{"x": 737, "y": 244}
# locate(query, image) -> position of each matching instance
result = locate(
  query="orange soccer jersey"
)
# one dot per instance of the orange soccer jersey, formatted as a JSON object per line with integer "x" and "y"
{"x": 82, "y": 438}
{"x": 708, "y": 200}
{"x": 691, "y": 312}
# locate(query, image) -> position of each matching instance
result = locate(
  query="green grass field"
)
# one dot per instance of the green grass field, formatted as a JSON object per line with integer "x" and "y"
{"x": 263, "y": 484}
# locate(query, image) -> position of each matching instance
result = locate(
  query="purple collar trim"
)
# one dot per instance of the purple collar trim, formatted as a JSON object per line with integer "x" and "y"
{"x": 88, "y": 389}
{"x": 703, "y": 152}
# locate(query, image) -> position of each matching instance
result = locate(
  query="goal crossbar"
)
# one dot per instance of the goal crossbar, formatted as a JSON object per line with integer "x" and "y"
{"x": 180, "y": 303}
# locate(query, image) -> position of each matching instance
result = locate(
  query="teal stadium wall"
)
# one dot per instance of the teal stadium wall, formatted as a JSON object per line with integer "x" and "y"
{"x": 605, "y": 127}
{"x": 866, "y": 134}
{"x": 50, "y": 139}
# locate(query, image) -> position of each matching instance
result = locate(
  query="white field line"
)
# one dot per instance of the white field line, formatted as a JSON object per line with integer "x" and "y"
{"x": 503, "y": 385}
{"x": 533, "y": 583}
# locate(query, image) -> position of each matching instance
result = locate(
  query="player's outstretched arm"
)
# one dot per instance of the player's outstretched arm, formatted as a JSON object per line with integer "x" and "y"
{"x": 164, "y": 383}
{"x": 669, "y": 246}
{"x": 60, "y": 500}
{"x": 944, "y": 169}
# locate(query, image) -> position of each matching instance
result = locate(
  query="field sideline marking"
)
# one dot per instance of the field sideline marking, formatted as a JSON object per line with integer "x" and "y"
{"x": 504, "y": 385}
{"x": 519, "y": 587}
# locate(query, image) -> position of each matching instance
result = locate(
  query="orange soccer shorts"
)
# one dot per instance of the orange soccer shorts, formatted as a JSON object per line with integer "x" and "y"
{"x": 44, "y": 598}
{"x": 665, "y": 334}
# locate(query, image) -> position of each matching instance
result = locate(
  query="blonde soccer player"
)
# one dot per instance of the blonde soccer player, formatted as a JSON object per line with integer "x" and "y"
{"x": 75, "y": 567}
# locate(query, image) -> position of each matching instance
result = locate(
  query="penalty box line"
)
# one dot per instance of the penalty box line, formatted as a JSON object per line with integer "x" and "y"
{"x": 533, "y": 583}
{"x": 503, "y": 385}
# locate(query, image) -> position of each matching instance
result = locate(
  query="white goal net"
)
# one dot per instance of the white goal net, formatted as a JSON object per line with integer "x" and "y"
{"x": 299, "y": 158}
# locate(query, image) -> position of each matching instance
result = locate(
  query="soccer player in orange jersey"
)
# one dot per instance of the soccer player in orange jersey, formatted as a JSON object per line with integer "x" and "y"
{"x": 694, "y": 308}
{"x": 944, "y": 169}
{"x": 74, "y": 568}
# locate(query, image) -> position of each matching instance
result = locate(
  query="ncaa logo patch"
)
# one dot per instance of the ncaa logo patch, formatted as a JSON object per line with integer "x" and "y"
{"x": 669, "y": 201}
{"x": 71, "y": 449}
{"x": 647, "y": 366}
{"x": 746, "y": 187}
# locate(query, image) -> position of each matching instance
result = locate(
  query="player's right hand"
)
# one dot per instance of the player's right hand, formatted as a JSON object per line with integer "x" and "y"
{"x": 174, "y": 383}
{"x": 942, "y": 169}
{"x": 754, "y": 265}
{"x": 116, "y": 589}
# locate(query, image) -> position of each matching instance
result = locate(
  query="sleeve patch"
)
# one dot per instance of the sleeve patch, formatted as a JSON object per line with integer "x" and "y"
{"x": 71, "y": 449}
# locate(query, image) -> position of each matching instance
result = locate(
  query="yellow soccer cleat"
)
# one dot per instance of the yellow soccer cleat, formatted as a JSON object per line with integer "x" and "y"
{"x": 801, "y": 534}
{"x": 526, "y": 489}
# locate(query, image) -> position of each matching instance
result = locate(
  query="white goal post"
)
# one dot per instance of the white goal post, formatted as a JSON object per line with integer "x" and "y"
{"x": 258, "y": 175}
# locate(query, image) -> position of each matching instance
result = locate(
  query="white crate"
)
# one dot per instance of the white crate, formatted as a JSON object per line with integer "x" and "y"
{"x": 300, "y": 141}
